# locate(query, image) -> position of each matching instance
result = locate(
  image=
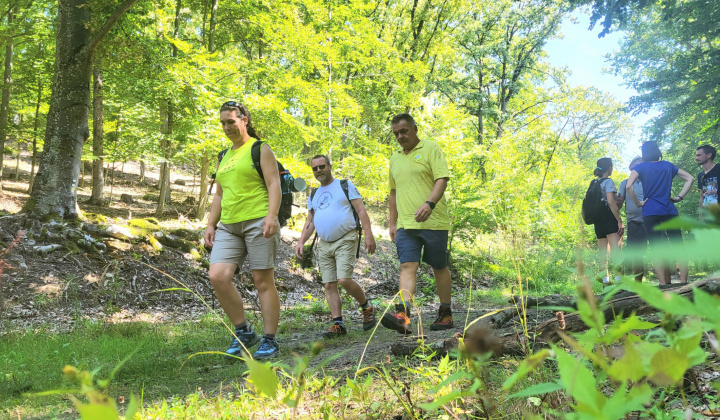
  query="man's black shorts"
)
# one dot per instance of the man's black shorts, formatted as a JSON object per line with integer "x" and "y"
{"x": 659, "y": 236}
{"x": 636, "y": 235}
{"x": 431, "y": 244}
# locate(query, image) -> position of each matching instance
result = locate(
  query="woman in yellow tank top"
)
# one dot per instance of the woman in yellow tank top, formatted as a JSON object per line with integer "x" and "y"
{"x": 243, "y": 224}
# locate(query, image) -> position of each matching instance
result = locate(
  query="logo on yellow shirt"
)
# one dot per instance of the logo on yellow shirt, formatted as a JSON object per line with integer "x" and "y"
{"x": 418, "y": 156}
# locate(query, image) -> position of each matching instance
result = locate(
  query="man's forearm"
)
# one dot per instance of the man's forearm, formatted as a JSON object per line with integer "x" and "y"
{"x": 307, "y": 232}
{"x": 308, "y": 229}
{"x": 633, "y": 197}
{"x": 393, "y": 209}
{"x": 365, "y": 221}
{"x": 438, "y": 190}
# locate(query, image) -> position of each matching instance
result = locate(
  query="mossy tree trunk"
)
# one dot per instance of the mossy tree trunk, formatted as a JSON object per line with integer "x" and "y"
{"x": 67, "y": 122}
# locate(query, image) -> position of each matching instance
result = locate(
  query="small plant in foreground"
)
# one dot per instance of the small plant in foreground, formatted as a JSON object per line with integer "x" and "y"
{"x": 99, "y": 405}
{"x": 647, "y": 365}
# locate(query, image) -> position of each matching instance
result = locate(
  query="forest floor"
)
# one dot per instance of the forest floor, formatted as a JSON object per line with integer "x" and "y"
{"x": 131, "y": 290}
{"x": 59, "y": 291}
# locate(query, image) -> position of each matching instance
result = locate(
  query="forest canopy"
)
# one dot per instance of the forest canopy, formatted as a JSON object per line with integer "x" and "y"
{"x": 326, "y": 77}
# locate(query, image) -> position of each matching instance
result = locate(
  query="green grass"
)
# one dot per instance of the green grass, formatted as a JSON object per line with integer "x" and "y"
{"x": 175, "y": 386}
{"x": 32, "y": 361}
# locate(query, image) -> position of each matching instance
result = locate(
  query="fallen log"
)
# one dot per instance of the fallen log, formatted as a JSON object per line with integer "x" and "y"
{"x": 622, "y": 305}
{"x": 479, "y": 340}
{"x": 500, "y": 319}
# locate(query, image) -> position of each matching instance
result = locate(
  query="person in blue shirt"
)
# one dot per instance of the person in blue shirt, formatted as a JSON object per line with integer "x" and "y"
{"x": 658, "y": 205}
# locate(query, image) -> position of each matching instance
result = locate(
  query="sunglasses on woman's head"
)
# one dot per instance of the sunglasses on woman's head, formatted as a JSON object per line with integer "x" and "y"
{"x": 232, "y": 104}
{"x": 318, "y": 168}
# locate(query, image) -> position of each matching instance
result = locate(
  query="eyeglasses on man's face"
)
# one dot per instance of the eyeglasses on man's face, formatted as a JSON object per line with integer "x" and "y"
{"x": 318, "y": 168}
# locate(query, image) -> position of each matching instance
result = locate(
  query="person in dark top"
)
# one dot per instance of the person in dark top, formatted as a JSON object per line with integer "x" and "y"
{"x": 708, "y": 177}
{"x": 658, "y": 205}
{"x": 609, "y": 229}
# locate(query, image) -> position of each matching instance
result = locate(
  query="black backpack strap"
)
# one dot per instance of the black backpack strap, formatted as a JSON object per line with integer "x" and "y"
{"x": 255, "y": 155}
{"x": 213, "y": 176}
{"x": 345, "y": 188}
{"x": 312, "y": 195}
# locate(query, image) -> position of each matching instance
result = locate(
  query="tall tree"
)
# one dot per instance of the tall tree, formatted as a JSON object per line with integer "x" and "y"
{"x": 54, "y": 192}
{"x": 166, "y": 144}
{"x": 98, "y": 179}
{"x": 7, "y": 83}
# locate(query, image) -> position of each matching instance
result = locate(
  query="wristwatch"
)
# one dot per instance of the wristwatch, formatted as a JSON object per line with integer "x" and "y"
{"x": 431, "y": 204}
{"x": 680, "y": 197}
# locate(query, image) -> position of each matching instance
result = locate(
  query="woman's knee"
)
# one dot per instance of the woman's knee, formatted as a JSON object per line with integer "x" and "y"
{"x": 264, "y": 279}
{"x": 220, "y": 276}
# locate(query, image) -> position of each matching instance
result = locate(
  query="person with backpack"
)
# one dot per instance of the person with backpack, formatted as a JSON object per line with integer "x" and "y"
{"x": 601, "y": 202}
{"x": 658, "y": 205}
{"x": 336, "y": 211}
{"x": 243, "y": 224}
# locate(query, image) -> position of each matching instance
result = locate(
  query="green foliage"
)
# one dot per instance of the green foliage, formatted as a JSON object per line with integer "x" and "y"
{"x": 662, "y": 358}
{"x": 99, "y": 405}
{"x": 683, "y": 36}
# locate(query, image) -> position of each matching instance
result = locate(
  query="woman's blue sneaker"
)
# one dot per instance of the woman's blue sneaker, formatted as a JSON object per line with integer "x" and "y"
{"x": 248, "y": 339}
{"x": 268, "y": 349}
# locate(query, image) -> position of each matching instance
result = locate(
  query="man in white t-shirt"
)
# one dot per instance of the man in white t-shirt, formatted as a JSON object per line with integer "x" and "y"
{"x": 332, "y": 210}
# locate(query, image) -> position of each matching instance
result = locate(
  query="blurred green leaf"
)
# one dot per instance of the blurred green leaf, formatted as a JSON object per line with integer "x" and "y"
{"x": 538, "y": 389}
{"x": 527, "y": 366}
{"x": 263, "y": 377}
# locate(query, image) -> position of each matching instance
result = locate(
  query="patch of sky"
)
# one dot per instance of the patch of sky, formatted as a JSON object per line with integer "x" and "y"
{"x": 584, "y": 54}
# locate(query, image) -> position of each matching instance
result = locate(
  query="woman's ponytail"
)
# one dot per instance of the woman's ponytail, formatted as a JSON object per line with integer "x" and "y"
{"x": 603, "y": 165}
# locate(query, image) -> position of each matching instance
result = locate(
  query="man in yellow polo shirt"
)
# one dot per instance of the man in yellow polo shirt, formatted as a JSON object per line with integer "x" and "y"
{"x": 419, "y": 222}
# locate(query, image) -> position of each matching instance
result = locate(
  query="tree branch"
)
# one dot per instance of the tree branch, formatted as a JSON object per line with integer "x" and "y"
{"x": 114, "y": 17}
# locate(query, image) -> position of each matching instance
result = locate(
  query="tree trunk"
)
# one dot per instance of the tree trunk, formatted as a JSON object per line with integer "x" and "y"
{"x": 549, "y": 161}
{"x": 67, "y": 121}
{"x": 7, "y": 79}
{"x": 17, "y": 160}
{"x": 98, "y": 136}
{"x": 213, "y": 24}
{"x": 142, "y": 172}
{"x": 81, "y": 182}
{"x": 203, "y": 198}
{"x": 166, "y": 143}
{"x": 112, "y": 180}
{"x": 35, "y": 134}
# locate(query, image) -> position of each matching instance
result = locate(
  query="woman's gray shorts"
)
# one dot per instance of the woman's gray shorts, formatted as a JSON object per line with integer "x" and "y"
{"x": 236, "y": 241}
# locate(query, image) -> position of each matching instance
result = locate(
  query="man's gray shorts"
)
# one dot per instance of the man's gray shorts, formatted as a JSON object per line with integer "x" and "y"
{"x": 236, "y": 241}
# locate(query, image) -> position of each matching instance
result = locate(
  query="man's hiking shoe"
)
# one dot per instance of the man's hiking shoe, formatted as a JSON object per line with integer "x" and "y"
{"x": 335, "y": 331}
{"x": 397, "y": 321}
{"x": 444, "y": 320}
{"x": 369, "y": 321}
{"x": 268, "y": 349}
{"x": 248, "y": 339}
